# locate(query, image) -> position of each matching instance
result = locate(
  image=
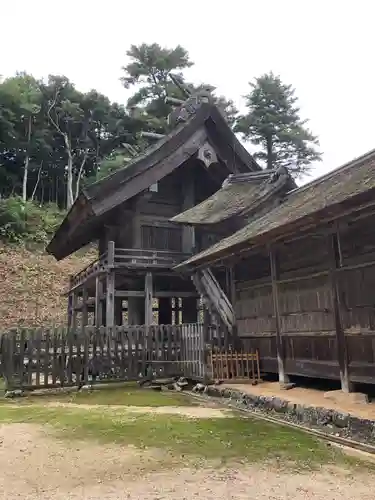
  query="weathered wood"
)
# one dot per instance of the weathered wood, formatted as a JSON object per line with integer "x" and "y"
{"x": 85, "y": 298}
{"x": 110, "y": 302}
{"x": 148, "y": 300}
{"x": 235, "y": 366}
{"x": 98, "y": 302}
{"x": 283, "y": 377}
{"x": 340, "y": 336}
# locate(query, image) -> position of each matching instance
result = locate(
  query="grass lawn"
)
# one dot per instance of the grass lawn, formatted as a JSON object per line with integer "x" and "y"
{"x": 128, "y": 394}
{"x": 233, "y": 438}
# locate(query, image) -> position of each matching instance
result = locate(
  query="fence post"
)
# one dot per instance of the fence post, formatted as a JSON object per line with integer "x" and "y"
{"x": 110, "y": 293}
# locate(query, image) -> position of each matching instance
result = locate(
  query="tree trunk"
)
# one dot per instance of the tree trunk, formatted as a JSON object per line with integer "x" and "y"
{"x": 80, "y": 173}
{"x": 27, "y": 160}
{"x": 269, "y": 153}
{"x": 37, "y": 181}
{"x": 69, "y": 184}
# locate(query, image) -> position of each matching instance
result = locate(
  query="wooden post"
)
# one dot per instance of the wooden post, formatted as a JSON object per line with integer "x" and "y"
{"x": 118, "y": 311}
{"x": 84, "y": 306}
{"x": 98, "y": 302}
{"x": 148, "y": 299}
{"x": 74, "y": 311}
{"x": 342, "y": 352}
{"x": 110, "y": 292}
{"x": 70, "y": 304}
{"x": 188, "y": 232}
{"x": 283, "y": 378}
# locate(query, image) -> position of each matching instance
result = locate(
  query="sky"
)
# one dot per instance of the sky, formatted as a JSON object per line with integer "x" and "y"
{"x": 324, "y": 49}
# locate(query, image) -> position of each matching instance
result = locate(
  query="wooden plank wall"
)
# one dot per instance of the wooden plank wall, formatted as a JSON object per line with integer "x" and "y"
{"x": 356, "y": 280}
{"x": 254, "y": 309}
{"x": 308, "y": 325}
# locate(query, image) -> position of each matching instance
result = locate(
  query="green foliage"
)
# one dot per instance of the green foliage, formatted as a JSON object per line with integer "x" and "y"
{"x": 149, "y": 72}
{"x": 28, "y": 222}
{"x": 53, "y": 137}
{"x": 273, "y": 123}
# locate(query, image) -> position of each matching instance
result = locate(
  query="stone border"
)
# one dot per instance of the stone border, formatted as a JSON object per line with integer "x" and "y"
{"x": 323, "y": 419}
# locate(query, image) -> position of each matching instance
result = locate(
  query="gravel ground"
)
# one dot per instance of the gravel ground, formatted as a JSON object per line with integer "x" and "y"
{"x": 36, "y": 466}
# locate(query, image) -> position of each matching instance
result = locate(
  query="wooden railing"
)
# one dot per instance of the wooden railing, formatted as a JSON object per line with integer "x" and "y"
{"x": 56, "y": 357}
{"x": 235, "y": 366}
{"x": 130, "y": 258}
{"x": 134, "y": 257}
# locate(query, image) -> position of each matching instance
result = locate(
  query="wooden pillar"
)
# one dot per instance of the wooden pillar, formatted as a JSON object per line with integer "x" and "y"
{"x": 148, "y": 300}
{"x": 85, "y": 312}
{"x": 283, "y": 378}
{"x": 98, "y": 302}
{"x": 189, "y": 310}
{"x": 118, "y": 311}
{"x": 342, "y": 352}
{"x": 110, "y": 288}
{"x": 176, "y": 311}
{"x": 165, "y": 311}
{"x": 70, "y": 304}
{"x": 188, "y": 232}
{"x": 74, "y": 310}
{"x": 206, "y": 326}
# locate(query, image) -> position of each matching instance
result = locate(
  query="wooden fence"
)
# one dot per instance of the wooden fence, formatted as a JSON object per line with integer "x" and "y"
{"x": 46, "y": 358}
{"x": 235, "y": 366}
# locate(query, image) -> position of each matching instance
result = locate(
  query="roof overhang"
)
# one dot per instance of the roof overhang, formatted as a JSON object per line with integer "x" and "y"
{"x": 96, "y": 202}
{"x": 337, "y": 202}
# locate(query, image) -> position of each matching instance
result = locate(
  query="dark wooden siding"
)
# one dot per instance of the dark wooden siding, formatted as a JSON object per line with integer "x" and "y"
{"x": 254, "y": 309}
{"x": 162, "y": 238}
{"x": 305, "y": 299}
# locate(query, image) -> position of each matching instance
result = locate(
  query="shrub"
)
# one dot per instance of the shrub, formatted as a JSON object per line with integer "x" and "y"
{"x": 27, "y": 222}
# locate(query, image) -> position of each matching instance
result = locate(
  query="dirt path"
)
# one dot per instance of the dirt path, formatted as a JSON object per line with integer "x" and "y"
{"x": 36, "y": 466}
{"x": 185, "y": 411}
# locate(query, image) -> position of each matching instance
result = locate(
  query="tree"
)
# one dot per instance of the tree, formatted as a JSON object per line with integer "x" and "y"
{"x": 273, "y": 122}
{"x": 149, "y": 72}
{"x": 24, "y": 92}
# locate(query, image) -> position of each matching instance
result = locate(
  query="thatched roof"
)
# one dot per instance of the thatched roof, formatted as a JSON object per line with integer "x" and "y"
{"x": 240, "y": 194}
{"x": 96, "y": 203}
{"x": 324, "y": 198}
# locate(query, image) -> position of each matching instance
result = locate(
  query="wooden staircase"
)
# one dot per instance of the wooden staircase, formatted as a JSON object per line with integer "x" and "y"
{"x": 214, "y": 297}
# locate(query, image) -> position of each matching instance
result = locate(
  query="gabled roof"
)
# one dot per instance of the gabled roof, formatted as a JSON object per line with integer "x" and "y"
{"x": 324, "y": 198}
{"x": 240, "y": 194}
{"x": 95, "y": 202}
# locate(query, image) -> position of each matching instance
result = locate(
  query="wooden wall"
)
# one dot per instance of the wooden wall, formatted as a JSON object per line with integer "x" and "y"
{"x": 320, "y": 300}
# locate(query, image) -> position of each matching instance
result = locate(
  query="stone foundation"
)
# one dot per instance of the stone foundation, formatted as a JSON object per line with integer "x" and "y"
{"x": 330, "y": 421}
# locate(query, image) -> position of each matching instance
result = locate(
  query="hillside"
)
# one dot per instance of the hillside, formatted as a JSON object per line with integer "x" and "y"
{"x": 32, "y": 283}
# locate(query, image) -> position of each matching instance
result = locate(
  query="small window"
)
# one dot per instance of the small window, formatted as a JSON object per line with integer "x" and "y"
{"x": 154, "y": 188}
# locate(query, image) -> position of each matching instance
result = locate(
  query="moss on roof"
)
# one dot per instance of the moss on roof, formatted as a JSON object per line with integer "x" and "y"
{"x": 352, "y": 179}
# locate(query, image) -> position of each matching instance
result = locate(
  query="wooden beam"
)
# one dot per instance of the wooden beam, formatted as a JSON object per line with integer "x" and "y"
{"x": 85, "y": 298}
{"x": 160, "y": 294}
{"x": 98, "y": 302}
{"x": 283, "y": 378}
{"x": 110, "y": 289}
{"x": 342, "y": 352}
{"x": 70, "y": 305}
{"x": 148, "y": 299}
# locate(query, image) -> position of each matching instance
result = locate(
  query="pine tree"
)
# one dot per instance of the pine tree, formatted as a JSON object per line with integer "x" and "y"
{"x": 273, "y": 123}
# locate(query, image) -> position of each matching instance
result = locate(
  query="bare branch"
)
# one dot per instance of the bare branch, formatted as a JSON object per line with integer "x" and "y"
{"x": 37, "y": 181}
{"x": 85, "y": 155}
